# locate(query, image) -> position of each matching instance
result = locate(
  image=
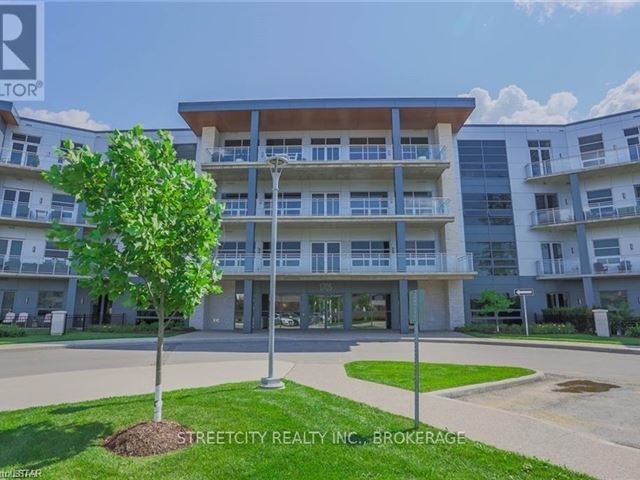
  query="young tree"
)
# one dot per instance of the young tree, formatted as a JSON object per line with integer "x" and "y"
{"x": 492, "y": 303}
{"x": 156, "y": 224}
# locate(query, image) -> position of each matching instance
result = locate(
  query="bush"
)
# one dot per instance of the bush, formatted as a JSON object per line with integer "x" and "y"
{"x": 534, "y": 329}
{"x": 580, "y": 317}
{"x": 11, "y": 331}
{"x": 632, "y": 331}
{"x": 139, "y": 328}
{"x": 552, "y": 328}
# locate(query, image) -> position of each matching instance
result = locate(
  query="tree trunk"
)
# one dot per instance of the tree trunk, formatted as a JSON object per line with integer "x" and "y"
{"x": 157, "y": 404}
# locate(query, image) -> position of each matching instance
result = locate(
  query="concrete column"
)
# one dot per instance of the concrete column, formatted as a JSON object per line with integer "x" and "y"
{"x": 403, "y": 303}
{"x": 247, "y": 307}
{"x": 348, "y": 310}
{"x": 208, "y": 139}
{"x": 305, "y": 313}
{"x": 456, "y": 304}
{"x": 581, "y": 236}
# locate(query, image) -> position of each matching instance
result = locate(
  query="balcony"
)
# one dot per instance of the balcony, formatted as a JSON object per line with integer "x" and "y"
{"x": 552, "y": 216}
{"x": 598, "y": 160}
{"x": 432, "y": 210}
{"x": 27, "y": 161}
{"x": 609, "y": 211}
{"x": 20, "y": 213}
{"x": 558, "y": 268}
{"x": 11, "y": 265}
{"x": 355, "y": 265}
{"x": 618, "y": 265}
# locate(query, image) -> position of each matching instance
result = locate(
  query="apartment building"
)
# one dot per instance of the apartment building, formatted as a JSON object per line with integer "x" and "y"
{"x": 379, "y": 196}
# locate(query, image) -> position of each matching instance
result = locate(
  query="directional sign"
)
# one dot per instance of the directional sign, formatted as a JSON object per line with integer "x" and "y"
{"x": 523, "y": 292}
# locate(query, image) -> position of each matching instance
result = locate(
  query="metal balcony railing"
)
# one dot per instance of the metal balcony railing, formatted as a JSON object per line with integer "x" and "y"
{"x": 349, "y": 263}
{"x": 552, "y": 216}
{"x": 331, "y": 153}
{"x": 591, "y": 160}
{"x": 27, "y": 211}
{"x": 33, "y": 265}
{"x": 28, "y": 159}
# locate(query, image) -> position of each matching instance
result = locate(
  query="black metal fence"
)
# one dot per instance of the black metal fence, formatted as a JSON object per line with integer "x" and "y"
{"x": 83, "y": 321}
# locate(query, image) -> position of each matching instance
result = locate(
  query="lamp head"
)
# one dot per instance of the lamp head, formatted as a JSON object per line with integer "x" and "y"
{"x": 277, "y": 163}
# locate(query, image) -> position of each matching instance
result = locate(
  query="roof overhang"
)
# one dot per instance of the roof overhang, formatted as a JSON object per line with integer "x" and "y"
{"x": 8, "y": 113}
{"x": 327, "y": 114}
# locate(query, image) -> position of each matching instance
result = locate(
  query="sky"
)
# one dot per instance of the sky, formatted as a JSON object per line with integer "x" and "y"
{"x": 115, "y": 64}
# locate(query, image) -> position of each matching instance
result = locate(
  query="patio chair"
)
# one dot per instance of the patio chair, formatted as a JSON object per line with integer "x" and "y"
{"x": 23, "y": 317}
{"x": 46, "y": 320}
{"x": 599, "y": 267}
{"x": 9, "y": 318}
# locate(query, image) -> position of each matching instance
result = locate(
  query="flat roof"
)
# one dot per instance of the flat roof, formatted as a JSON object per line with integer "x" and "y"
{"x": 327, "y": 113}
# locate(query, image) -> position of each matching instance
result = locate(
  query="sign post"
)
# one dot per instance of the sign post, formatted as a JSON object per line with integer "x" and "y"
{"x": 523, "y": 293}
{"x": 416, "y": 312}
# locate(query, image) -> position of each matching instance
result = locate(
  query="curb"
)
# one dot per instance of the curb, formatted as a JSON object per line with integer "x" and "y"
{"x": 488, "y": 387}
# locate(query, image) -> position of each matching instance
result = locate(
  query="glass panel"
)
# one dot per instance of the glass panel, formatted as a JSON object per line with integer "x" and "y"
{"x": 326, "y": 311}
{"x": 370, "y": 311}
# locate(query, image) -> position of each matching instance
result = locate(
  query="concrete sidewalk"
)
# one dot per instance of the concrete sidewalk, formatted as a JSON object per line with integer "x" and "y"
{"x": 508, "y": 431}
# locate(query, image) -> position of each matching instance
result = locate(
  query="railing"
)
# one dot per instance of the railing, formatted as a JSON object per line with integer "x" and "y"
{"x": 34, "y": 266}
{"x": 331, "y": 153}
{"x": 587, "y": 161}
{"x": 349, "y": 263}
{"x": 552, "y": 216}
{"x": 28, "y": 159}
{"x": 558, "y": 267}
{"x": 616, "y": 264}
{"x": 26, "y": 211}
{"x": 608, "y": 210}
{"x": 341, "y": 207}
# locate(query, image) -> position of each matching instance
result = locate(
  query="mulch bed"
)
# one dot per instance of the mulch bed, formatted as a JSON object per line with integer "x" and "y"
{"x": 149, "y": 438}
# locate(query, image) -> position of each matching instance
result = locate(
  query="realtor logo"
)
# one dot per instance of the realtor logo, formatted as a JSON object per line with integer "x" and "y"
{"x": 21, "y": 51}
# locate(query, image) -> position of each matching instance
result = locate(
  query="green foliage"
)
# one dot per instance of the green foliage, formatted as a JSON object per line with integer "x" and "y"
{"x": 621, "y": 318}
{"x": 535, "y": 329}
{"x": 633, "y": 331}
{"x": 139, "y": 328}
{"x": 156, "y": 222}
{"x": 492, "y": 302}
{"x": 12, "y": 331}
{"x": 580, "y": 317}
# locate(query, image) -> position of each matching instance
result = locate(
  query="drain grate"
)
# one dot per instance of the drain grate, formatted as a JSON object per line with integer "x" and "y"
{"x": 583, "y": 386}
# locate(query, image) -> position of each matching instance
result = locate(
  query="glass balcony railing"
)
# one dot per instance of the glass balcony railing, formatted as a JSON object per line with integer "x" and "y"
{"x": 43, "y": 213}
{"x": 612, "y": 265}
{"x": 331, "y": 153}
{"x": 609, "y": 210}
{"x": 558, "y": 267}
{"x": 22, "y": 158}
{"x": 589, "y": 161}
{"x": 551, "y": 216}
{"x": 341, "y": 207}
{"x": 349, "y": 263}
{"x": 34, "y": 266}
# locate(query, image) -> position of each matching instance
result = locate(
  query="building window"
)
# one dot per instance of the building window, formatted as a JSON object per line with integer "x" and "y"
{"x": 613, "y": 299}
{"x": 540, "y": 155}
{"x": 24, "y": 150}
{"x": 513, "y": 315}
{"x": 370, "y": 310}
{"x": 235, "y": 150}
{"x": 369, "y": 203}
{"x": 600, "y": 203}
{"x": 7, "y": 299}
{"x": 494, "y": 258}
{"x": 288, "y": 203}
{"x": 238, "y": 313}
{"x": 419, "y": 203}
{"x": 546, "y": 201}
{"x": 557, "y": 299}
{"x": 606, "y": 251}
{"x": 420, "y": 252}
{"x": 287, "y": 254}
{"x": 287, "y": 311}
{"x": 367, "y": 148}
{"x": 62, "y": 207}
{"x": 51, "y": 250}
{"x": 414, "y": 148}
{"x": 10, "y": 247}
{"x": 235, "y": 204}
{"x": 289, "y": 147}
{"x": 373, "y": 253}
{"x": 633, "y": 141}
{"x": 49, "y": 301}
{"x": 185, "y": 151}
{"x": 325, "y": 149}
{"x": 591, "y": 150}
{"x": 487, "y": 208}
{"x": 483, "y": 158}
{"x": 15, "y": 203}
{"x": 325, "y": 204}
{"x": 231, "y": 254}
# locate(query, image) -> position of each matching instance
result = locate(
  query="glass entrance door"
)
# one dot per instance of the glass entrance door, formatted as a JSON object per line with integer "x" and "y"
{"x": 325, "y": 257}
{"x": 326, "y": 311}
{"x": 552, "y": 258}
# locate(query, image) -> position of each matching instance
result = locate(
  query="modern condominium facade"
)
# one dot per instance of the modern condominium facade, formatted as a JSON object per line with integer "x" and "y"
{"x": 379, "y": 197}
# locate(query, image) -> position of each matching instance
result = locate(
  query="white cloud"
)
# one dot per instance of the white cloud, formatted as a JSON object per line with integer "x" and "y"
{"x": 620, "y": 98}
{"x": 72, "y": 117}
{"x": 513, "y": 105}
{"x": 546, "y": 8}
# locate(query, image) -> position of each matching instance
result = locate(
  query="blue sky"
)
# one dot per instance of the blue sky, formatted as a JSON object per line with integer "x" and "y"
{"x": 124, "y": 63}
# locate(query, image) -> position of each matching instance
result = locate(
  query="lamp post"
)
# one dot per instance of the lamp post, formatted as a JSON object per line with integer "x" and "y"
{"x": 276, "y": 164}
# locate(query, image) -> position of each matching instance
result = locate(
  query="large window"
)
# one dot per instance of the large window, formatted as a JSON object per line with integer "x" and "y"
{"x": 483, "y": 158}
{"x": 367, "y": 148}
{"x": 49, "y": 300}
{"x": 633, "y": 141}
{"x": 231, "y": 254}
{"x": 325, "y": 149}
{"x": 51, "y": 250}
{"x": 288, "y": 203}
{"x": 365, "y": 253}
{"x": 419, "y": 203}
{"x": 369, "y": 203}
{"x": 370, "y": 310}
{"x": 606, "y": 251}
{"x": 24, "y": 150}
{"x": 494, "y": 258}
{"x": 600, "y": 203}
{"x": 420, "y": 252}
{"x": 287, "y": 311}
{"x": 591, "y": 150}
{"x": 235, "y": 204}
{"x": 487, "y": 208}
{"x": 62, "y": 207}
{"x": 185, "y": 151}
{"x": 415, "y": 147}
{"x": 287, "y": 254}
{"x": 513, "y": 315}
{"x": 540, "y": 155}
{"x": 235, "y": 150}
{"x": 290, "y": 147}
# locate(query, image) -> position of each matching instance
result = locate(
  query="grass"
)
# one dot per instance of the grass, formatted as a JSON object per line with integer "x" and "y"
{"x": 37, "y": 336}
{"x": 573, "y": 337}
{"x": 433, "y": 376}
{"x": 64, "y": 441}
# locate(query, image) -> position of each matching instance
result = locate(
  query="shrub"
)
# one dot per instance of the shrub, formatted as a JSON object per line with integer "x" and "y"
{"x": 11, "y": 331}
{"x": 552, "y": 328}
{"x": 632, "y": 331}
{"x": 580, "y": 317}
{"x": 139, "y": 328}
{"x": 621, "y": 319}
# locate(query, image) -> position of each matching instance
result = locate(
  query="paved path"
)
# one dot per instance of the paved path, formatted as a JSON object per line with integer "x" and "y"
{"x": 38, "y": 376}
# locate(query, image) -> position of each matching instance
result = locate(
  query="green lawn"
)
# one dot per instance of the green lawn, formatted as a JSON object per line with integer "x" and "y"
{"x": 433, "y": 376}
{"x": 64, "y": 441}
{"x": 38, "y": 336}
{"x": 574, "y": 337}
